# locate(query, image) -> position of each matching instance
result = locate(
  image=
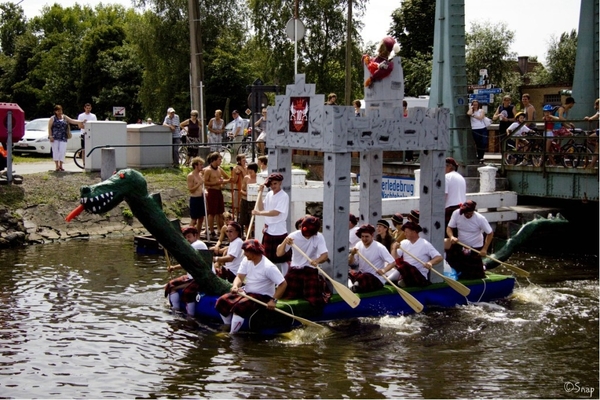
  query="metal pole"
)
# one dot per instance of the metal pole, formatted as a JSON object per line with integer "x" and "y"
{"x": 202, "y": 131}
{"x": 295, "y": 39}
{"x": 348, "y": 88}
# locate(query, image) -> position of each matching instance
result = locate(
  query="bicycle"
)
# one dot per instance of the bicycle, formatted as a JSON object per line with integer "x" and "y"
{"x": 78, "y": 158}
{"x": 576, "y": 152}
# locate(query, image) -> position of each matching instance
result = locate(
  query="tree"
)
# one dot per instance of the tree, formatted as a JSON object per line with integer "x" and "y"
{"x": 488, "y": 46}
{"x": 417, "y": 74}
{"x": 561, "y": 58}
{"x": 12, "y": 25}
{"x": 413, "y": 26}
{"x": 322, "y": 51}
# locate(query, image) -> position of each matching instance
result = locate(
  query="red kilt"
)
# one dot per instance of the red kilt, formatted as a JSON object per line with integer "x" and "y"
{"x": 174, "y": 283}
{"x": 226, "y": 274}
{"x": 270, "y": 244}
{"x": 233, "y": 303}
{"x": 411, "y": 274}
{"x": 215, "y": 204}
{"x": 366, "y": 282}
{"x": 466, "y": 262}
{"x": 306, "y": 283}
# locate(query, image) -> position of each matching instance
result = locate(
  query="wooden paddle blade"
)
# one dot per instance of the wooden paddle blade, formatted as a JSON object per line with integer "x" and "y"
{"x": 303, "y": 321}
{"x": 459, "y": 287}
{"x": 515, "y": 269}
{"x": 408, "y": 298}
{"x": 344, "y": 291}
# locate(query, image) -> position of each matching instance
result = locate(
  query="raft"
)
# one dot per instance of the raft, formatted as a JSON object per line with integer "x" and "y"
{"x": 385, "y": 301}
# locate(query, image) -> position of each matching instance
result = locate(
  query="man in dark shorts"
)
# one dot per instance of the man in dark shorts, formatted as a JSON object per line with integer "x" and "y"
{"x": 195, "y": 184}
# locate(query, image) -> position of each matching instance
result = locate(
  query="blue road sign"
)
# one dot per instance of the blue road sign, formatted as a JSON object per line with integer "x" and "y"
{"x": 489, "y": 91}
{"x": 482, "y": 98}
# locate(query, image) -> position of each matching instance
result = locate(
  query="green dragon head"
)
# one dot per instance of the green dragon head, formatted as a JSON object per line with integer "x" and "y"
{"x": 106, "y": 195}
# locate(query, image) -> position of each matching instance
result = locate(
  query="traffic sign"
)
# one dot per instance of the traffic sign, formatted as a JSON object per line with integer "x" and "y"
{"x": 489, "y": 91}
{"x": 118, "y": 111}
{"x": 481, "y": 98}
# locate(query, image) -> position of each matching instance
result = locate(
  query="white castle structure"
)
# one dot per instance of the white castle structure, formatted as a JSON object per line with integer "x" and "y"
{"x": 300, "y": 120}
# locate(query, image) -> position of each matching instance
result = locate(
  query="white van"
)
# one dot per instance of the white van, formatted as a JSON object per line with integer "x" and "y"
{"x": 421, "y": 101}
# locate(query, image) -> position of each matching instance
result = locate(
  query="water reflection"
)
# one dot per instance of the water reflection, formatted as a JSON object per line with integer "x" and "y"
{"x": 88, "y": 319}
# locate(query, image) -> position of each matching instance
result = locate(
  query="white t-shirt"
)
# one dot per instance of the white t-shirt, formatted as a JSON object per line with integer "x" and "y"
{"x": 279, "y": 201}
{"x": 523, "y": 129}
{"x": 262, "y": 277}
{"x": 235, "y": 250}
{"x": 377, "y": 254}
{"x": 477, "y": 123}
{"x": 353, "y": 239}
{"x": 197, "y": 245}
{"x": 470, "y": 230}
{"x": 421, "y": 249}
{"x": 86, "y": 117}
{"x": 238, "y": 123}
{"x": 313, "y": 247}
{"x": 456, "y": 189}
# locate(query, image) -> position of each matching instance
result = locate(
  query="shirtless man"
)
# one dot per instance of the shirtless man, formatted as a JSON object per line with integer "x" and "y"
{"x": 195, "y": 184}
{"x": 214, "y": 178}
{"x": 237, "y": 175}
{"x": 246, "y": 206}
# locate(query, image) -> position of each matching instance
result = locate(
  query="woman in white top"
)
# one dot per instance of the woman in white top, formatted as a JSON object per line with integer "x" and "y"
{"x": 480, "y": 132}
{"x": 216, "y": 128}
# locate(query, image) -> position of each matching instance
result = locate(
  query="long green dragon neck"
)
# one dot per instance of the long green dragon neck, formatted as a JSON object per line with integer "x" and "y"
{"x": 130, "y": 186}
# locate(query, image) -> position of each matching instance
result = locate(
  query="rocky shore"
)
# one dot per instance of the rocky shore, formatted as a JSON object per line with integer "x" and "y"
{"x": 34, "y": 212}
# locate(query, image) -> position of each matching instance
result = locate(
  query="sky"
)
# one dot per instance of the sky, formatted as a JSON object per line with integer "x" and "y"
{"x": 534, "y": 22}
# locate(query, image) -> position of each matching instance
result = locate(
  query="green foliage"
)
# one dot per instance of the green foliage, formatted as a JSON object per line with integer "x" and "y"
{"x": 12, "y": 25}
{"x": 561, "y": 58}
{"x": 417, "y": 74}
{"x": 488, "y": 46}
{"x": 127, "y": 213}
{"x": 413, "y": 26}
{"x": 321, "y": 53}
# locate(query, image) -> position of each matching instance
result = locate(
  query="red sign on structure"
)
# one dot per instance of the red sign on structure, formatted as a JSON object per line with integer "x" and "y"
{"x": 299, "y": 108}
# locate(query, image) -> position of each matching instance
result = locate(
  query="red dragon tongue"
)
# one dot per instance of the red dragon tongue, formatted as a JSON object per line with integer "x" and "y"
{"x": 78, "y": 210}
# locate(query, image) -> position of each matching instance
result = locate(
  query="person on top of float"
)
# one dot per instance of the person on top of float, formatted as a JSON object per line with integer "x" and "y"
{"x": 408, "y": 270}
{"x": 303, "y": 279}
{"x": 471, "y": 226}
{"x": 260, "y": 278}
{"x": 366, "y": 279}
{"x": 381, "y": 66}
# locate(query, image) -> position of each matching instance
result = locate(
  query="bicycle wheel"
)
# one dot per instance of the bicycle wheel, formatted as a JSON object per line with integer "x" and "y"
{"x": 510, "y": 158}
{"x": 586, "y": 156}
{"x": 571, "y": 156}
{"x": 244, "y": 148}
{"x": 182, "y": 155}
{"x": 78, "y": 158}
{"x": 226, "y": 154}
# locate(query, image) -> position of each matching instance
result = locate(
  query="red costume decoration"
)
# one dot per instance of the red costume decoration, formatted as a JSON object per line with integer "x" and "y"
{"x": 381, "y": 66}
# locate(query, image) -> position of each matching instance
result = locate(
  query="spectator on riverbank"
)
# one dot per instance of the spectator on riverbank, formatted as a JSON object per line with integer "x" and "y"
{"x": 172, "y": 122}
{"x": 214, "y": 179}
{"x": 478, "y": 129}
{"x": 58, "y": 134}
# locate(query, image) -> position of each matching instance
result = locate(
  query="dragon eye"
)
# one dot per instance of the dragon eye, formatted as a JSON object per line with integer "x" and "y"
{"x": 122, "y": 175}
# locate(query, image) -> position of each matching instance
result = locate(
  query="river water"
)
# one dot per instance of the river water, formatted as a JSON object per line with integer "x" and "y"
{"x": 89, "y": 320}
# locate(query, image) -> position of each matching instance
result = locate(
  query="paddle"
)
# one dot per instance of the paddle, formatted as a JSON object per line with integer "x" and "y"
{"x": 516, "y": 270}
{"x": 168, "y": 263}
{"x": 299, "y": 319}
{"x": 459, "y": 287}
{"x": 252, "y": 219}
{"x": 408, "y": 298}
{"x": 345, "y": 293}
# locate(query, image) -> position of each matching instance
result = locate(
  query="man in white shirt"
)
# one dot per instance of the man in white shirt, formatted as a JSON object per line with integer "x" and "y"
{"x": 471, "y": 226}
{"x": 275, "y": 209}
{"x": 366, "y": 279}
{"x": 456, "y": 188}
{"x": 408, "y": 270}
{"x": 261, "y": 279}
{"x": 172, "y": 122}
{"x": 85, "y": 116}
{"x": 238, "y": 131}
{"x": 303, "y": 279}
{"x": 189, "y": 288}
